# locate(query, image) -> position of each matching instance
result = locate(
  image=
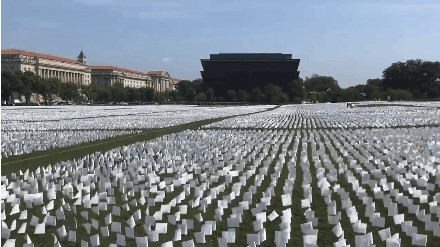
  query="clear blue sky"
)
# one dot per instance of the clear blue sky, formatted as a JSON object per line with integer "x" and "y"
{"x": 348, "y": 39}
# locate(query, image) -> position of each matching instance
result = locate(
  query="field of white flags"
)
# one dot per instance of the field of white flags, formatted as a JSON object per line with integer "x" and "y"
{"x": 297, "y": 175}
{"x": 25, "y": 130}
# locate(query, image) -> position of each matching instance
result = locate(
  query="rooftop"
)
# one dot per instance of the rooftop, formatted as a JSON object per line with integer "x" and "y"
{"x": 156, "y": 72}
{"x": 251, "y": 56}
{"x": 105, "y": 67}
{"x": 38, "y": 55}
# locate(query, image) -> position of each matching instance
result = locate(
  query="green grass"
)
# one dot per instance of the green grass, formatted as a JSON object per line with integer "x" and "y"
{"x": 33, "y": 160}
{"x": 326, "y": 237}
{"x": 298, "y": 218}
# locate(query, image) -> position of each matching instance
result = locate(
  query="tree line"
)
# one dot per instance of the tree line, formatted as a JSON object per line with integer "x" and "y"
{"x": 414, "y": 79}
{"x": 25, "y": 84}
{"x": 410, "y": 80}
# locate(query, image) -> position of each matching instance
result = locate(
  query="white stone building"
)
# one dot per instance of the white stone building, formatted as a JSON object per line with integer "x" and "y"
{"x": 47, "y": 66}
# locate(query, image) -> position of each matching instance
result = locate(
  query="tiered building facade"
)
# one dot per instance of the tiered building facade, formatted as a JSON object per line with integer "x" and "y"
{"x": 225, "y": 71}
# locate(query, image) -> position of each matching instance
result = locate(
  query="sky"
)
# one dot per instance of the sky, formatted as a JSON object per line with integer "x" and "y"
{"x": 350, "y": 40}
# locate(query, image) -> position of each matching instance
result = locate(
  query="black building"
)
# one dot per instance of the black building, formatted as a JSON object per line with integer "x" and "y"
{"x": 237, "y": 71}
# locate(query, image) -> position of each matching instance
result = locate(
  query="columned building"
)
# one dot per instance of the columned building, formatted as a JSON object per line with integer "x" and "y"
{"x": 48, "y": 66}
{"x": 105, "y": 76}
{"x": 77, "y": 71}
{"x": 162, "y": 81}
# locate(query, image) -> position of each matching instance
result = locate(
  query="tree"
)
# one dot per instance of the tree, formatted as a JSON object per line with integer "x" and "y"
{"x": 183, "y": 87}
{"x": 325, "y": 88}
{"x": 48, "y": 88}
{"x": 201, "y": 97}
{"x": 232, "y": 95}
{"x": 147, "y": 94}
{"x": 18, "y": 86}
{"x": 68, "y": 91}
{"x": 85, "y": 91}
{"x": 55, "y": 85}
{"x": 374, "y": 89}
{"x": 275, "y": 95}
{"x": 132, "y": 94}
{"x": 92, "y": 92}
{"x": 257, "y": 95}
{"x": 353, "y": 93}
{"x": 117, "y": 92}
{"x": 210, "y": 94}
{"x": 318, "y": 83}
{"x": 399, "y": 94}
{"x": 295, "y": 91}
{"x": 8, "y": 85}
{"x": 189, "y": 89}
{"x": 242, "y": 95}
{"x": 160, "y": 96}
{"x": 29, "y": 81}
{"x": 103, "y": 95}
{"x": 174, "y": 96}
{"x": 42, "y": 88}
{"x": 415, "y": 75}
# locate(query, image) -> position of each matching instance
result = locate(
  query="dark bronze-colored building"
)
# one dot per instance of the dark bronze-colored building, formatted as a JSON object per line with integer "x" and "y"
{"x": 237, "y": 71}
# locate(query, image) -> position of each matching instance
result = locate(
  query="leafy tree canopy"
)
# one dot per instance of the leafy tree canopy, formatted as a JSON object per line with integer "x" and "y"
{"x": 318, "y": 83}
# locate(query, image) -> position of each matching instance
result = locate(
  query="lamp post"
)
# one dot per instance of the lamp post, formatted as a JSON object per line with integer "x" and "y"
{"x": 363, "y": 94}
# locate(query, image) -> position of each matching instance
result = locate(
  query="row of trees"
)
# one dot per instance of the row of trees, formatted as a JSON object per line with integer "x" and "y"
{"x": 197, "y": 91}
{"x": 19, "y": 84}
{"x": 414, "y": 79}
{"x": 27, "y": 83}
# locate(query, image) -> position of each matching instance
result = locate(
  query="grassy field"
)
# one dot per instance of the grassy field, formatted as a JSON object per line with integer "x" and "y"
{"x": 270, "y": 162}
{"x": 40, "y": 158}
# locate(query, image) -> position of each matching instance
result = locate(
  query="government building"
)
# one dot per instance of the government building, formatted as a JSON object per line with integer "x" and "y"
{"x": 225, "y": 71}
{"x": 48, "y": 66}
{"x": 105, "y": 76}
{"x": 77, "y": 71}
{"x": 162, "y": 81}
{"x": 159, "y": 80}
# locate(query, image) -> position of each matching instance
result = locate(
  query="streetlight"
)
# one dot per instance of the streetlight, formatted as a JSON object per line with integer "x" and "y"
{"x": 362, "y": 93}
